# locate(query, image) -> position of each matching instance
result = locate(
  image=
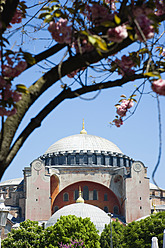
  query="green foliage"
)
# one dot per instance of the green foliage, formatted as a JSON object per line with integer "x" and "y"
{"x": 28, "y": 235}
{"x": 71, "y": 227}
{"x": 117, "y": 235}
{"x": 139, "y": 234}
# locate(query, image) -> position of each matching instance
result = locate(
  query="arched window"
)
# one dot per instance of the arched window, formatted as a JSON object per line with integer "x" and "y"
{"x": 94, "y": 159}
{"x": 76, "y": 194}
{"x": 85, "y": 193}
{"x": 105, "y": 197}
{"x": 102, "y": 160}
{"x": 95, "y": 194}
{"x": 116, "y": 210}
{"x": 65, "y": 197}
{"x": 60, "y": 160}
{"x": 106, "y": 209}
{"x": 56, "y": 208}
{"x": 85, "y": 159}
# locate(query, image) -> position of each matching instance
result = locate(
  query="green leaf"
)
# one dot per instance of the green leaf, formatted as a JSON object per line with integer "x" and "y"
{"x": 21, "y": 88}
{"x": 117, "y": 19}
{"x": 143, "y": 50}
{"x": 98, "y": 42}
{"x": 84, "y": 32}
{"x": 72, "y": 11}
{"x": 58, "y": 13}
{"x": 46, "y": 8}
{"x": 152, "y": 74}
{"x": 108, "y": 24}
{"x": 42, "y": 15}
{"x": 129, "y": 28}
{"x": 123, "y": 96}
{"x": 48, "y": 18}
{"x": 29, "y": 58}
{"x": 131, "y": 37}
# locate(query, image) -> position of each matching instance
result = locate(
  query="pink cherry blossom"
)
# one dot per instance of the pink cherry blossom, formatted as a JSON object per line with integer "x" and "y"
{"x": 125, "y": 65}
{"x": 127, "y": 103}
{"x": 83, "y": 47}
{"x": 117, "y": 34}
{"x": 2, "y": 111}
{"x": 10, "y": 71}
{"x": 98, "y": 14}
{"x": 60, "y": 31}
{"x": 158, "y": 86}
{"x": 160, "y": 7}
{"x": 20, "y": 67}
{"x": 16, "y": 96}
{"x": 118, "y": 122}
{"x": 73, "y": 73}
{"x": 121, "y": 111}
{"x": 11, "y": 112}
{"x": 2, "y": 82}
{"x": 146, "y": 27}
{"x": 17, "y": 18}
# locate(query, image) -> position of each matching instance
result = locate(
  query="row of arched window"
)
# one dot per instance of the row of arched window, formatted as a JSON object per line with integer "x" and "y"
{"x": 86, "y": 194}
{"x": 82, "y": 159}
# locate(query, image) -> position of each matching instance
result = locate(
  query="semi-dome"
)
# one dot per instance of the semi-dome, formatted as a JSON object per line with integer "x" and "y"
{"x": 96, "y": 215}
{"x": 82, "y": 143}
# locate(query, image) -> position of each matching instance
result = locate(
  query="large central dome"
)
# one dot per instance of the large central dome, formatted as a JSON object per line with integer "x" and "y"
{"x": 83, "y": 142}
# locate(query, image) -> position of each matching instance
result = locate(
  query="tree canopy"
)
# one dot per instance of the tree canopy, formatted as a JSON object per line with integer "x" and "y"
{"x": 68, "y": 231}
{"x": 106, "y": 39}
{"x": 136, "y": 234}
{"x": 29, "y": 234}
{"x": 117, "y": 235}
{"x": 75, "y": 228}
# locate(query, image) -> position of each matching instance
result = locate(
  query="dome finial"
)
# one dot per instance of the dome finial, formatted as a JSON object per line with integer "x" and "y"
{"x": 80, "y": 199}
{"x": 83, "y": 131}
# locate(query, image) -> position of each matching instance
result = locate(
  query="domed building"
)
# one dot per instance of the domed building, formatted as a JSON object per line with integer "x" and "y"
{"x": 109, "y": 179}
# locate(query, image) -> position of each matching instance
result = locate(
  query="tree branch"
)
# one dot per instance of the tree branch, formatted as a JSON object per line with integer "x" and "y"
{"x": 65, "y": 94}
{"x": 47, "y": 53}
{"x": 46, "y": 81}
{"x": 7, "y": 11}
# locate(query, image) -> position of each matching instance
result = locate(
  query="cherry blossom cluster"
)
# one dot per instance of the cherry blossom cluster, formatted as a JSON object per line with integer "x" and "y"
{"x": 17, "y": 18}
{"x": 97, "y": 14}
{"x": 160, "y": 7}
{"x": 12, "y": 67}
{"x": 122, "y": 109}
{"x": 8, "y": 97}
{"x": 158, "y": 86}
{"x": 73, "y": 244}
{"x": 117, "y": 34}
{"x": 145, "y": 28}
{"x": 60, "y": 31}
{"x": 82, "y": 46}
{"x": 125, "y": 65}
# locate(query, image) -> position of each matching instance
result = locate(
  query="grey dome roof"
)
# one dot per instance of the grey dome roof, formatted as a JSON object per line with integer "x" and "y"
{"x": 83, "y": 142}
{"x": 96, "y": 215}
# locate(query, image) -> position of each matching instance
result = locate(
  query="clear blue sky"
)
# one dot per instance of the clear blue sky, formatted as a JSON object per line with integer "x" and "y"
{"x": 137, "y": 138}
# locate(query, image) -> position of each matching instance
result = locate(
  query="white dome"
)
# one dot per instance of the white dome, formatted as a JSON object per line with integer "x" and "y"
{"x": 96, "y": 215}
{"x": 83, "y": 142}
